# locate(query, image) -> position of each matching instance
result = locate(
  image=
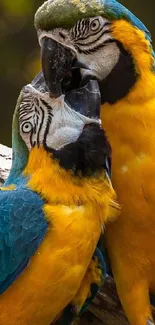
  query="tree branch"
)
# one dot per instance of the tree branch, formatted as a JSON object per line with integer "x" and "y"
{"x": 5, "y": 162}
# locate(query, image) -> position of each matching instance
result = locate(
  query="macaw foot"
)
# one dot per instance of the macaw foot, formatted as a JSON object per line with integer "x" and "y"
{"x": 92, "y": 276}
{"x": 149, "y": 322}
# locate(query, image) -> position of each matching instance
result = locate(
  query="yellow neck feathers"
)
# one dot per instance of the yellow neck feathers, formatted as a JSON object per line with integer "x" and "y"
{"x": 135, "y": 43}
{"x": 58, "y": 186}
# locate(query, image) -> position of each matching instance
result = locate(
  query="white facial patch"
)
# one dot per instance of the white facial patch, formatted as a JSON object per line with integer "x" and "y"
{"x": 67, "y": 124}
{"x": 49, "y": 122}
{"x": 102, "y": 63}
{"x": 92, "y": 41}
{"x": 96, "y": 47}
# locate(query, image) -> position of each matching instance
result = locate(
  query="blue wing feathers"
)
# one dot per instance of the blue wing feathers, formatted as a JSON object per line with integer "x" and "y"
{"x": 22, "y": 229}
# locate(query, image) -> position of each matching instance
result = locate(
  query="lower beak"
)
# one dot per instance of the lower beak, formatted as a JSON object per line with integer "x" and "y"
{"x": 56, "y": 64}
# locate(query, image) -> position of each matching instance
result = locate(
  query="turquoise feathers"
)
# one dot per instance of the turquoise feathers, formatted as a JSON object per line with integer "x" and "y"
{"x": 19, "y": 149}
{"x": 22, "y": 229}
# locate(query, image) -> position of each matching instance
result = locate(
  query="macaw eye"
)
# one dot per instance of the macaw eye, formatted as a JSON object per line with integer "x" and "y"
{"x": 27, "y": 127}
{"x": 95, "y": 24}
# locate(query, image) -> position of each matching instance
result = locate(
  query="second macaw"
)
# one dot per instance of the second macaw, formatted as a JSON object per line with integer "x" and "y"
{"x": 52, "y": 207}
{"x": 103, "y": 40}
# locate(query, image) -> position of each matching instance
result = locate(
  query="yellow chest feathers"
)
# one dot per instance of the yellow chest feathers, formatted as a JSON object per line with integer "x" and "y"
{"x": 75, "y": 209}
{"x": 129, "y": 123}
{"x": 58, "y": 186}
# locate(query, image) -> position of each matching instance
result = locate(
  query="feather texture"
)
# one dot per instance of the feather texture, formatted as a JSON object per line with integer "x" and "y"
{"x": 129, "y": 124}
{"x": 65, "y": 220}
{"x": 22, "y": 229}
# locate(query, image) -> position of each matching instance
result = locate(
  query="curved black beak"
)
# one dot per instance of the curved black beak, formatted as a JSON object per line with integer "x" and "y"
{"x": 61, "y": 73}
{"x": 56, "y": 64}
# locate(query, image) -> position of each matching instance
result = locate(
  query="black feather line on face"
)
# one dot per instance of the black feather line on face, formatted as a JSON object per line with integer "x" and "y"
{"x": 87, "y": 155}
{"x": 40, "y": 127}
{"x": 92, "y": 43}
{"x": 121, "y": 79}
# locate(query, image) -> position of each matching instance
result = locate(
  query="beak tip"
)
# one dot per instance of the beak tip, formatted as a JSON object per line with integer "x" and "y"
{"x": 56, "y": 61}
{"x": 55, "y": 91}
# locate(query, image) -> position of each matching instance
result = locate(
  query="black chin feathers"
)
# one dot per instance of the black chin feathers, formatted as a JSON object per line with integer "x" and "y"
{"x": 88, "y": 154}
{"x": 121, "y": 79}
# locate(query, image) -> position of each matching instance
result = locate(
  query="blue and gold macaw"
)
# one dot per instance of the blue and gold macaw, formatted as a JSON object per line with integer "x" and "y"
{"x": 101, "y": 39}
{"x": 53, "y": 206}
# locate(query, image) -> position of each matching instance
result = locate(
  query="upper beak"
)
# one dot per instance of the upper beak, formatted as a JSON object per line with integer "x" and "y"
{"x": 57, "y": 63}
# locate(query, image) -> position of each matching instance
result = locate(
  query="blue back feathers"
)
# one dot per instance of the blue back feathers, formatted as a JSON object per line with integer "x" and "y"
{"x": 22, "y": 229}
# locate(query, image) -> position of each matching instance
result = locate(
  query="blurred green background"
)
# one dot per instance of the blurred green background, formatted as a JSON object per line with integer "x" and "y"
{"x": 19, "y": 50}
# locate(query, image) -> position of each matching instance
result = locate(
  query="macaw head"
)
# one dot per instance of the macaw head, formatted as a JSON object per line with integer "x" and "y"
{"x": 51, "y": 123}
{"x": 56, "y": 122}
{"x": 99, "y": 39}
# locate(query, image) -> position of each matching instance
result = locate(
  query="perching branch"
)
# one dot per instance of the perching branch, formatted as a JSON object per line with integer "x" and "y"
{"x": 5, "y": 162}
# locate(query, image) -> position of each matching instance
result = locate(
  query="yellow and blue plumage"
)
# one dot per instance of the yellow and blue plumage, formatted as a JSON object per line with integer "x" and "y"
{"x": 51, "y": 210}
{"x": 111, "y": 45}
{"x": 130, "y": 126}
